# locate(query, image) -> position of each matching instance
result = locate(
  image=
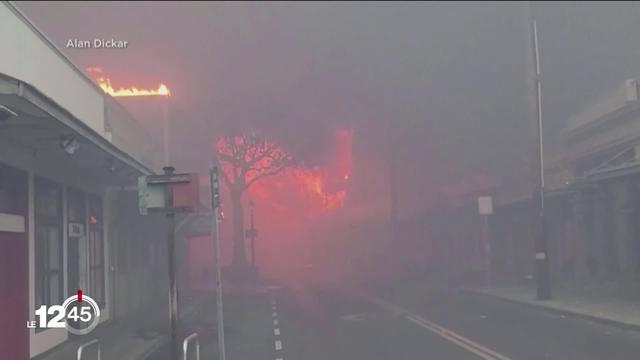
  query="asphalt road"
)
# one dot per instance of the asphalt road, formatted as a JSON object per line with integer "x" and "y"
{"x": 326, "y": 323}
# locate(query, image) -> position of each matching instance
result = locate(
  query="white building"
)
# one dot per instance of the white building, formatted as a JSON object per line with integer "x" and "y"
{"x": 69, "y": 156}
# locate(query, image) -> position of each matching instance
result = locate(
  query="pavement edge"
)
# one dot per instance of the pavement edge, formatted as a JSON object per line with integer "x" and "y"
{"x": 543, "y": 307}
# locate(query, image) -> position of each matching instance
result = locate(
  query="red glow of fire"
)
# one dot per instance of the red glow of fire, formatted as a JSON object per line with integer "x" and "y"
{"x": 315, "y": 184}
{"x": 306, "y": 190}
{"x": 311, "y": 190}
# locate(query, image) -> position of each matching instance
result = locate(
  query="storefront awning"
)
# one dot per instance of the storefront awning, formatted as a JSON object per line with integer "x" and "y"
{"x": 628, "y": 168}
{"x": 41, "y": 126}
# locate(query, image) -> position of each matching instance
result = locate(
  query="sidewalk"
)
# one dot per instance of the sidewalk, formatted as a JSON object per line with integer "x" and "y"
{"x": 602, "y": 308}
{"x": 116, "y": 343}
{"x": 247, "y": 324}
{"x": 135, "y": 339}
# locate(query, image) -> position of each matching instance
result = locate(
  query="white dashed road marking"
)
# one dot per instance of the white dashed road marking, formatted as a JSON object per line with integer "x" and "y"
{"x": 276, "y": 329}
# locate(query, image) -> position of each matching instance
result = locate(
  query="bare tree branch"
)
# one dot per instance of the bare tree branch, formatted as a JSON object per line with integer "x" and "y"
{"x": 250, "y": 157}
{"x": 265, "y": 173}
{"x": 224, "y": 157}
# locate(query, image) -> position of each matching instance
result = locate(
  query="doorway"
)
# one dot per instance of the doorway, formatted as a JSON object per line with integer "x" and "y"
{"x": 14, "y": 264}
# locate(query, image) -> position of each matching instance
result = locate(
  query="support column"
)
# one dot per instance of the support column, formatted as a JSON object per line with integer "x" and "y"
{"x": 623, "y": 227}
{"x": 598, "y": 239}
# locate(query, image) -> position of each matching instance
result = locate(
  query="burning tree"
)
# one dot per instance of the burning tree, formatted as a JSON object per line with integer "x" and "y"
{"x": 246, "y": 158}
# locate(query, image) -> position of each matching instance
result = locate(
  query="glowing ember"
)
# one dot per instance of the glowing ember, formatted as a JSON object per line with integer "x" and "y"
{"x": 105, "y": 85}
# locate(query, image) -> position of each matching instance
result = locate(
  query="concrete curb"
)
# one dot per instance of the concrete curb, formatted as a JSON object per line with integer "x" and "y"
{"x": 568, "y": 313}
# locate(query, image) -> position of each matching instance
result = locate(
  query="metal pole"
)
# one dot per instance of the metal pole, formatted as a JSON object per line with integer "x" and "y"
{"x": 166, "y": 137}
{"x": 81, "y": 348}
{"x": 487, "y": 239}
{"x": 543, "y": 281}
{"x": 393, "y": 213}
{"x": 173, "y": 291}
{"x": 185, "y": 346}
{"x": 220, "y": 309}
{"x": 215, "y": 233}
{"x": 253, "y": 237}
{"x": 444, "y": 233}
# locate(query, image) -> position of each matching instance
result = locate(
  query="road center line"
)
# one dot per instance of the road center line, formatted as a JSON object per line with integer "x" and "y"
{"x": 276, "y": 331}
{"x": 469, "y": 345}
{"x": 275, "y": 314}
{"x": 278, "y": 345}
{"x": 275, "y": 321}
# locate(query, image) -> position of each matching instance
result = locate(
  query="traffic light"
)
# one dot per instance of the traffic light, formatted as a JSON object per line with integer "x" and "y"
{"x": 215, "y": 187}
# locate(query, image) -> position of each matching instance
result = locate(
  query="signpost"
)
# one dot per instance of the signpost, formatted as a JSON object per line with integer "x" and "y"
{"x": 485, "y": 208}
{"x": 194, "y": 224}
{"x": 156, "y": 194}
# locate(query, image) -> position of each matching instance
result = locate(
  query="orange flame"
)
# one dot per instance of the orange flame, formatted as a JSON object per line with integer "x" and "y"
{"x": 105, "y": 85}
{"x": 316, "y": 184}
{"x": 310, "y": 190}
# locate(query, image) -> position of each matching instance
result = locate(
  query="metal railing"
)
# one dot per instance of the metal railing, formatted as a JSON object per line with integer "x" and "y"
{"x": 185, "y": 346}
{"x": 81, "y": 348}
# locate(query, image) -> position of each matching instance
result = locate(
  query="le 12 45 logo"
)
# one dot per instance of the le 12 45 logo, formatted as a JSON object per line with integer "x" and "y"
{"x": 78, "y": 314}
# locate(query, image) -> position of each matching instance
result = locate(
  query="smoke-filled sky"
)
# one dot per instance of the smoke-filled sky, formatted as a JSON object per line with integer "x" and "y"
{"x": 450, "y": 78}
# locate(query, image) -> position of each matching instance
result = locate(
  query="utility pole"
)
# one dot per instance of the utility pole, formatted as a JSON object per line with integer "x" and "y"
{"x": 215, "y": 236}
{"x": 543, "y": 281}
{"x": 393, "y": 209}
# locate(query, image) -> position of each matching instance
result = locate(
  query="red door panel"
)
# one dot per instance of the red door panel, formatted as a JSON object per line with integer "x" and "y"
{"x": 14, "y": 292}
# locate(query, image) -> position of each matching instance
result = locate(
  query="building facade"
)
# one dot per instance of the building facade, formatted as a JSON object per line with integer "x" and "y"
{"x": 69, "y": 159}
{"x": 592, "y": 207}
{"x": 591, "y": 202}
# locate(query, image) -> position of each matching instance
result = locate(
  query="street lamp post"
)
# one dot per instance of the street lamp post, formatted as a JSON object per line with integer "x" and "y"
{"x": 252, "y": 233}
{"x": 543, "y": 281}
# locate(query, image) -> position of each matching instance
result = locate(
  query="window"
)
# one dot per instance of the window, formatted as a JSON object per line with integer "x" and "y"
{"x": 96, "y": 250}
{"x": 13, "y": 191}
{"x": 48, "y": 242}
{"x": 76, "y": 247}
{"x": 76, "y": 206}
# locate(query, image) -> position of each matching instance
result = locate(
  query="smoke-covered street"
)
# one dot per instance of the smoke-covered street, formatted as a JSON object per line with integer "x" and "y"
{"x": 319, "y": 180}
{"x": 320, "y": 322}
